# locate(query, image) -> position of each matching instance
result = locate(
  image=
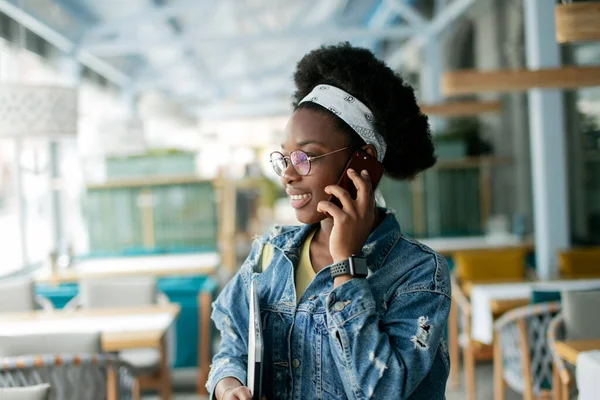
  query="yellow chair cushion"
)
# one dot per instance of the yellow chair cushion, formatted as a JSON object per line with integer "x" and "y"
{"x": 580, "y": 263}
{"x": 490, "y": 265}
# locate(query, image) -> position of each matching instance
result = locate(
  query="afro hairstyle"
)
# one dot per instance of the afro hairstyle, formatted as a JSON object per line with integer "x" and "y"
{"x": 397, "y": 116}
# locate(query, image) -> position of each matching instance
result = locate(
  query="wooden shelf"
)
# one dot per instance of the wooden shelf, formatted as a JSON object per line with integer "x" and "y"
{"x": 576, "y": 22}
{"x": 150, "y": 181}
{"x": 471, "y": 162}
{"x": 462, "y": 108}
{"x": 472, "y": 81}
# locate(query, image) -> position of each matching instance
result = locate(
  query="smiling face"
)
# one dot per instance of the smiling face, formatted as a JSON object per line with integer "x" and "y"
{"x": 315, "y": 133}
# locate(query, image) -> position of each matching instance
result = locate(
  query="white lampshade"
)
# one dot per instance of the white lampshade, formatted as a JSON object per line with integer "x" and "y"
{"x": 38, "y": 111}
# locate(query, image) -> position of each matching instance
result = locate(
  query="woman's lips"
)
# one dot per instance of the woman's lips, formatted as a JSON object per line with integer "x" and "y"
{"x": 300, "y": 200}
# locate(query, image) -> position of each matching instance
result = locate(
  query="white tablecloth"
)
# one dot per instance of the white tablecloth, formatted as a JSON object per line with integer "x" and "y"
{"x": 588, "y": 375}
{"x": 147, "y": 263}
{"x": 451, "y": 244}
{"x": 104, "y": 324}
{"x": 482, "y": 328}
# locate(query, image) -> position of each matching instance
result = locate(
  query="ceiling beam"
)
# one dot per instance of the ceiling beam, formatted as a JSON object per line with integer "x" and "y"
{"x": 120, "y": 47}
{"x": 62, "y": 43}
{"x": 150, "y": 14}
{"x": 407, "y": 11}
{"x": 437, "y": 25}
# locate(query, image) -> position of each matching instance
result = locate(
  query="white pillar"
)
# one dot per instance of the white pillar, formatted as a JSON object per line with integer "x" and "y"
{"x": 431, "y": 73}
{"x": 70, "y": 70}
{"x": 547, "y": 133}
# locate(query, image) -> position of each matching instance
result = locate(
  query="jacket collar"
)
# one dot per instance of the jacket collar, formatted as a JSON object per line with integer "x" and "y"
{"x": 380, "y": 242}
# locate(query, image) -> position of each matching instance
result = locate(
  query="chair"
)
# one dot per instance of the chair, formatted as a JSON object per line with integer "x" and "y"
{"x": 580, "y": 263}
{"x": 478, "y": 266}
{"x": 151, "y": 365}
{"x": 563, "y": 382}
{"x": 72, "y": 363}
{"x": 522, "y": 359}
{"x": 71, "y": 377}
{"x": 35, "y": 392}
{"x": 18, "y": 295}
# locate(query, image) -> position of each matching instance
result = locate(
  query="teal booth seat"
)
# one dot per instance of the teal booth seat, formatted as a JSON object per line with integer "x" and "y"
{"x": 181, "y": 290}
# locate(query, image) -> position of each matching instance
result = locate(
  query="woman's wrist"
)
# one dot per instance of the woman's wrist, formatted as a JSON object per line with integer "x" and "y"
{"x": 225, "y": 385}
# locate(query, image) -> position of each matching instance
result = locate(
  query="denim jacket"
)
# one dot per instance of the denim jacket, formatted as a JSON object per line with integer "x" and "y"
{"x": 379, "y": 337}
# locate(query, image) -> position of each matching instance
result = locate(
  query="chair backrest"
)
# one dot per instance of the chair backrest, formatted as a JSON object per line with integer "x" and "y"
{"x": 35, "y": 392}
{"x": 522, "y": 336}
{"x": 17, "y": 295}
{"x": 492, "y": 264}
{"x": 580, "y": 263}
{"x": 53, "y": 343}
{"x": 580, "y": 310}
{"x": 70, "y": 377}
{"x": 566, "y": 371}
{"x": 122, "y": 293}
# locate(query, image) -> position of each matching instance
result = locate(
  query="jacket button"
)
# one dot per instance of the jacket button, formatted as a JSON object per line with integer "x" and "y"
{"x": 295, "y": 363}
{"x": 339, "y": 306}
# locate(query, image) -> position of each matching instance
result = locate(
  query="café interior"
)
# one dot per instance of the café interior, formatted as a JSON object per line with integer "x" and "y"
{"x": 134, "y": 177}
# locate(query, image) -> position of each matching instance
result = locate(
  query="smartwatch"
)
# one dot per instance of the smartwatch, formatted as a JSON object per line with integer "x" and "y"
{"x": 355, "y": 266}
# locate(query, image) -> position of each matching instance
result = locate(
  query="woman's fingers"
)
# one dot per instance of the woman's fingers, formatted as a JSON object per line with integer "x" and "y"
{"x": 337, "y": 213}
{"x": 364, "y": 190}
{"x": 239, "y": 393}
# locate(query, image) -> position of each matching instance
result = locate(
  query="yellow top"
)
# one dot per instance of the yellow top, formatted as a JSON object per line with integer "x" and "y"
{"x": 304, "y": 273}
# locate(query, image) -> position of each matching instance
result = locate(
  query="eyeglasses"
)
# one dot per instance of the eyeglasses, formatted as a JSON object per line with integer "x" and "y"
{"x": 299, "y": 159}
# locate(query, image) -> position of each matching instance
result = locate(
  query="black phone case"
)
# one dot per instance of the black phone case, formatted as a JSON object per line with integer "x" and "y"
{"x": 359, "y": 161}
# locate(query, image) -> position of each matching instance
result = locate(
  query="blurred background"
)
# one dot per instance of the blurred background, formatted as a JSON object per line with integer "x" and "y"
{"x": 134, "y": 143}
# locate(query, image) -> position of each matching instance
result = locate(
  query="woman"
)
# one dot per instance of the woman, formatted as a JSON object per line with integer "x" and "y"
{"x": 341, "y": 335}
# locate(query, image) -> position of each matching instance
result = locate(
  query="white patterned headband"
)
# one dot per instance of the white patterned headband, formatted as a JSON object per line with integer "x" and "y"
{"x": 352, "y": 111}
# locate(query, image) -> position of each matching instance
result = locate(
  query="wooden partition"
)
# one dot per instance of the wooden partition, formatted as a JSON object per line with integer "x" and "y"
{"x": 577, "y": 22}
{"x": 472, "y": 81}
{"x": 461, "y": 108}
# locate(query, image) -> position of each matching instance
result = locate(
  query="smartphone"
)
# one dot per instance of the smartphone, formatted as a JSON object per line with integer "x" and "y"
{"x": 359, "y": 161}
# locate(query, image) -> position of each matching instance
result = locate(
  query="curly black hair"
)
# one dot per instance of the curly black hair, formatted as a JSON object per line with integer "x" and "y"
{"x": 397, "y": 116}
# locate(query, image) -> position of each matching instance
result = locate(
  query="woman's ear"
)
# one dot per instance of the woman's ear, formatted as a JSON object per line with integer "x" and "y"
{"x": 370, "y": 150}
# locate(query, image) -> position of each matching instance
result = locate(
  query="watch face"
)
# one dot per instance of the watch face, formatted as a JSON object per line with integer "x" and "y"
{"x": 358, "y": 267}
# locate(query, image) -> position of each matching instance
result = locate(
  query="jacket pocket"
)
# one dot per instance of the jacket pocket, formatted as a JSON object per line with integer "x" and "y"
{"x": 327, "y": 378}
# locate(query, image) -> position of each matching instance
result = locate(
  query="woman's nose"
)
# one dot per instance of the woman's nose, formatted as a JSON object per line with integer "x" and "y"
{"x": 289, "y": 174}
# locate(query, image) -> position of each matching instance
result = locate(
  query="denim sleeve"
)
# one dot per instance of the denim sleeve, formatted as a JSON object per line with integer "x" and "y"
{"x": 230, "y": 315}
{"x": 378, "y": 356}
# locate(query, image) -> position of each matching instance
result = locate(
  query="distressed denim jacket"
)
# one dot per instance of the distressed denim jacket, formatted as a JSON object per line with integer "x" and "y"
{"x": 380, "y": 337}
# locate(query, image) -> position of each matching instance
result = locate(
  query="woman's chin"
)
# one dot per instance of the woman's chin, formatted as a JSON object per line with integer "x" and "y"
{"x": 311, "y": 216}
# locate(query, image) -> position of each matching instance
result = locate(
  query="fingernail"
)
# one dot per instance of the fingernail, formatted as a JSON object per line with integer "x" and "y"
{"x": 365, "y": 172}
{"x": 350, "y": 170}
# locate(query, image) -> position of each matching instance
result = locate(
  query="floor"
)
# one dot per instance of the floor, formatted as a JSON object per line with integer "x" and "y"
{"x": 485, "y": 388}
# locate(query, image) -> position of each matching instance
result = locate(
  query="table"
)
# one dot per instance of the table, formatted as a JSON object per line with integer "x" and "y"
{"x": 588, "y": 374}
{"x": 126, "y": 328}
{"x": 482, "y": 296}
{"x": 569, "y": 350}
{"x": 585, "y": 355}
{"x": 117, "y": 267}
{"x": 121, "y": 329}
{"x": 448, "y": 245}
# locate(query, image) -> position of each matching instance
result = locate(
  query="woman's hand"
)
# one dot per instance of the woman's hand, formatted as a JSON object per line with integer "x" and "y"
{"x": 232, "y": 389}
{"x": 352, "y": 223}
{"x": 238, "y": 393}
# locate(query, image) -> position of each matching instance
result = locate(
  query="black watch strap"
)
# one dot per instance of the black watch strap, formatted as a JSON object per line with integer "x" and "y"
{"x": 340, "y": 268}
{"x": 355, "y": 266}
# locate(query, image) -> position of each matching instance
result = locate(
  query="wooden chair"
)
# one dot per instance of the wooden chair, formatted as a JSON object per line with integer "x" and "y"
{"x": 72, "y": 377}
{"x": 522, "y": 359}
{"x": 563, "y": 381}
{"x": 72, "y": 363}
{"x": 472, "y": 267}
{"x": 151, "y": 365}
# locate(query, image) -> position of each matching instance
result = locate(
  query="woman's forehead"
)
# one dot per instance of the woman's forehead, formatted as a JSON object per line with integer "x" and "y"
{"x": 307, "y": 126}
